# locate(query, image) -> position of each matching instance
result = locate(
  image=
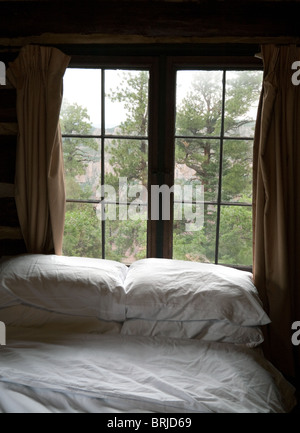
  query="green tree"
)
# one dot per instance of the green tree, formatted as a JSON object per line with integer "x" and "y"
{"x": 128, "y": 158}
{"x": 82, "y": 235}
{"x": 82, "y": 231}
{"x": 200, "y": 114}
{"x": 74, "y": 119}
{"x": 236, "y": 235}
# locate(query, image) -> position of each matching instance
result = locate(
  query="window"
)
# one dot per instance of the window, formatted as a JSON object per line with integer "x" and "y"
{"x": 215, "y": 120}
{"x": 104, "y": 121}
{"x": 132, "y": 125}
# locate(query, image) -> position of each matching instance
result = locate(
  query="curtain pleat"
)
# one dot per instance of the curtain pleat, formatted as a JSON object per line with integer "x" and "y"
{"x": 37, "y": 74}
{"x": 276, "y": 201}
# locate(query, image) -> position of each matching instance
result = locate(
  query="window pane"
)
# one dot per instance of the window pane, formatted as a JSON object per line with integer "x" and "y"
{"x": 197, "y": 162}
{"x": 82, "y": 161}
{"x": 126, "y": 235}
{"x": 199, "y": 103}
{"x": 125, "y": 177}
{"x": 126, "y": 102}
{"x": 199, "y": 113}
{"x": 237, "y": 171}
{"x": 198, "y": 245}
{"x": 235, "y": 244}
{"x": 126, "y": 166}
{"x": 82, "y": 236}
{"x": 241, "y": 102}
{"x": 81, "y": 108}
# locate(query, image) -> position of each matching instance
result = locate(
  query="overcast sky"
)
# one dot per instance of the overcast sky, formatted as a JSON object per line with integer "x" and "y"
{"x": 84, "y": 87}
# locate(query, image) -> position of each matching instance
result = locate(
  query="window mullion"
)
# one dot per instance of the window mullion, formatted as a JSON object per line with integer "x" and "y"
{"x": 169, "y": 102}
{"x": 219, "y": 200}
{"x": 102, "y": 158}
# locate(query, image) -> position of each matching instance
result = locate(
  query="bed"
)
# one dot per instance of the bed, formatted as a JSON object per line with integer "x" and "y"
{"x": 161, "y": 336}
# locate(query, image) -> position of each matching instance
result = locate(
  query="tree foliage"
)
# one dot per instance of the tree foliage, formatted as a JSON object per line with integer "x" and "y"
{"x": 129, "y": 159}
{"x": 199, "y": 125}
{"x": 200, "y": 114}
{"x": 82, "y": 236}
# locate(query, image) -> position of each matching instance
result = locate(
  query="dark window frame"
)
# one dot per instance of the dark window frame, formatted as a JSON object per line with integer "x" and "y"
{"x": 163, "y": 64}
{"x": 125, "y": 63}
{"x": 181, "y": 63}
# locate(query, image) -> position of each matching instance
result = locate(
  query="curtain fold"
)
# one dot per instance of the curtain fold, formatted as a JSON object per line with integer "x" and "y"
{"x": 37, "y": 74}
{"x": 276, "y": 205}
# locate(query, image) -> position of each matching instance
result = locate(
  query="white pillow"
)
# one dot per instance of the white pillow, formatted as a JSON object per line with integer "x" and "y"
{"x": 163, "y": 289}
{"x": 26, "y": 316}
{"x": 68, "y": 285}
{"x": 207, "y": 330}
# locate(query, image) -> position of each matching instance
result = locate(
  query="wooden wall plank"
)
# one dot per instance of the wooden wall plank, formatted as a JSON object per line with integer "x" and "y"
{"x": 8, "y": 111}
{"x": 12, "y": 233}
{"x": 8, "y": 147}
{"x": 8, "y": 212}
{"x": 12, "y": 247}
{"x": 7, "y": 190}
{"x": 8, "y": 128}
{"x": 11, "y": 239}
{"x": 199, "y": 19}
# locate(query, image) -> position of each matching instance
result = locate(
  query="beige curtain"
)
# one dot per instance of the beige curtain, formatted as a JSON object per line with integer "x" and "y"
{"x": 277, "y": 204}
{"x": 37, "y": 74}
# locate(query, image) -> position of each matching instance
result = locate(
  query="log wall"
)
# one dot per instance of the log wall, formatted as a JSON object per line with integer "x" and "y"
{"x": 11, "y": 240}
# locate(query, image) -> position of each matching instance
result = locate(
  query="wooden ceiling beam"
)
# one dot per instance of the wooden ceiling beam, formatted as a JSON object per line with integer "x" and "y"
{"x": 152, "y": 19}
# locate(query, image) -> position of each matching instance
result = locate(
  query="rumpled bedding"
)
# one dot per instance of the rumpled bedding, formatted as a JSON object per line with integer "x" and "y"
{"x": 46, "y": 371}
{"x": 92, "y": 335}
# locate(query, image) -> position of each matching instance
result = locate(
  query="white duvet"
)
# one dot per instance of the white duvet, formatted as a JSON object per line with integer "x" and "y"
{"x": 47, "y": 371}
{"x": 164, "y": 336}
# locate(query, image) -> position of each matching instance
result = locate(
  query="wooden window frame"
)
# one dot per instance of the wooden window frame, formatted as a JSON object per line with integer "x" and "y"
{"x": 179, "y": 63}
{"x": 163, "y": 66}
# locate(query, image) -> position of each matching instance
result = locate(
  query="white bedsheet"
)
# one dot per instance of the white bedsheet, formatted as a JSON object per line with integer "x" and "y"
{"x": 53, "y": 372}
